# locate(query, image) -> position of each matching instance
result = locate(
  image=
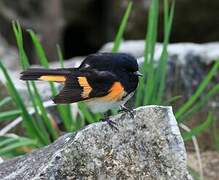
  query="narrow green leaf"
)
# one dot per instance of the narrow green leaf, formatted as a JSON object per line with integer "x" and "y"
{"x": 122, "y": 27}
{"x": 40, "y": 133}
{"x": 199, "y": 91}
{"x": 140, "y": 92}
{"x": 9, "y": 115}
{"x": 145, "y": 92}
{"x": 20, "y": 142}
{"x": 172, "y": 99}
{"x": 5, "y": 101}
{"x": 199, "y": 129}
{"x": 39, "y": 49}
{"x": 60, "y": 55}
{"x": 19, "y": 39}
{"x": 65, "y": 110}
{"x": 42, "y": 56}
{"x": 87, "y": 115}
{"x": 44, "y": 114}
{"x": 37, "y": 100}
{"x": 197, "y": 106}
{"x": 160, "y": 79}
{"x": 28, "y": 122}
{"x": 6, "y": 141}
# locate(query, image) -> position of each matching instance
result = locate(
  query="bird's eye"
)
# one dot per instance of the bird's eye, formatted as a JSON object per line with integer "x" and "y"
{"x": 85, "y": 66}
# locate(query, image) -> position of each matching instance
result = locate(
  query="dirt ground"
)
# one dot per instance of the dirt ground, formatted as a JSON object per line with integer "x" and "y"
{"x": 210, "y": 163}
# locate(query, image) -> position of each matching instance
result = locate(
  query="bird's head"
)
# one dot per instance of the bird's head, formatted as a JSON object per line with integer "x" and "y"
{"x": 115, "y": 62}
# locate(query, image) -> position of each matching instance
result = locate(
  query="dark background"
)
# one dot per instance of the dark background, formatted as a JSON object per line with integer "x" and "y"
{"x": 82, "y": 27}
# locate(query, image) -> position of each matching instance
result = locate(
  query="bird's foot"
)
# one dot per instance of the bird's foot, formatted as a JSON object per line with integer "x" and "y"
{"x": 128, "y": 110}
{"x": 111, "y": 123}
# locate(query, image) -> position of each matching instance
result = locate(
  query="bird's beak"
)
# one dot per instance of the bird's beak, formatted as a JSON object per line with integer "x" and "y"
{"x": 137, "y": 73}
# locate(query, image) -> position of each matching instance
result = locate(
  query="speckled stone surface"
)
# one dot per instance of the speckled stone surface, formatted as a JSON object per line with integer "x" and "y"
{"x": 147, "y": 147}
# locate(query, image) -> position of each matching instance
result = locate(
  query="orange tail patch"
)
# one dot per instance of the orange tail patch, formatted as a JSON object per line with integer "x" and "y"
{"x": 52, "y": 78}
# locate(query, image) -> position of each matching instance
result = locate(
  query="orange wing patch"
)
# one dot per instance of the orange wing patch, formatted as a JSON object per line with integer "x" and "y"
{"x": 85, "y": 85}
{"x": 53, "y": 78}
{"x": 115, "y": 93}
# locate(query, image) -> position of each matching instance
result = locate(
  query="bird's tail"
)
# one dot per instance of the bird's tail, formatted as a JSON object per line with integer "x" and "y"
{"x": 56, "y": 75}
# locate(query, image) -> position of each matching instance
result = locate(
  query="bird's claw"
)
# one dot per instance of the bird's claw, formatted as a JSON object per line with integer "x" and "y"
{"x": 111, "y": 123}
{"x": 130, "y": 111}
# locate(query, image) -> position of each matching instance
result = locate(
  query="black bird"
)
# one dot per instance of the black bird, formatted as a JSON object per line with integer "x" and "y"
{"x": 103, "y": 81}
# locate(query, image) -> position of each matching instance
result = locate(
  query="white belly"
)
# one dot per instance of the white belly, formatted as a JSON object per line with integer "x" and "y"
{"x": 98, "y": 105}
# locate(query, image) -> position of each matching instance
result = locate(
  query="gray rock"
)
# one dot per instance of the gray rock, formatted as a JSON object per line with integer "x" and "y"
{"x": 147, "y": 147}
{"x": 180, "y": 52}
{"x": 8, "y": 55}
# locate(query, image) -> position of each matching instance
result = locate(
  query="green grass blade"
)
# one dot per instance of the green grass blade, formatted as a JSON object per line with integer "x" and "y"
{"x": 9, "y": 115}
{"x": 42, "y": 56}
{"x": 87, "y": 115}
{"x": 17, "y": 98}
{"x": 30, "y": 85}
{"x": 23, "y": 57}
{"x": 20, "y": 142}
{"x": 160, "y": 79}
{"x": 122, "y": 27}
{"x": 60, "y": 55}
{"x": 151, "y": 34}
{"x": 65, "y": 110}
{"x": 79, "y": 122}
{"x": 42, "y": 135}
{"x": 5, "y": 101}
{"x": 171, "y": 100}
{"x": 145, "y": 89}
{"x": 197, "y": 106}
{"x": 6, "y": 141}
{"x": 39, "y": 49}
{"x": 28, "y": 122}
{"x": 199, "y": 129}
{"x": 199, "y": 91}
{"x": 44, "y": 114}
{"x": 149, "y": 50}
{"x": 38, "y": 101}
{"x": 19, "y": 39}
{"x": 140, "y": 91}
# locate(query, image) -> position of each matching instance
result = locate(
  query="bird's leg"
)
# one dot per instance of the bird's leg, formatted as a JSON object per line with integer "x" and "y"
{"x": 123, "y": 108}
{"x": 111, "y": 123}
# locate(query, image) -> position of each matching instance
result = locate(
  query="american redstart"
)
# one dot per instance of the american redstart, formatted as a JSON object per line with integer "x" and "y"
{"x": 103, "y": 81}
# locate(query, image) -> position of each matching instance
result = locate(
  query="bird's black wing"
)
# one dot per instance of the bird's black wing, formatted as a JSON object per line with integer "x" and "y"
{"x": 85, "y": 85}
